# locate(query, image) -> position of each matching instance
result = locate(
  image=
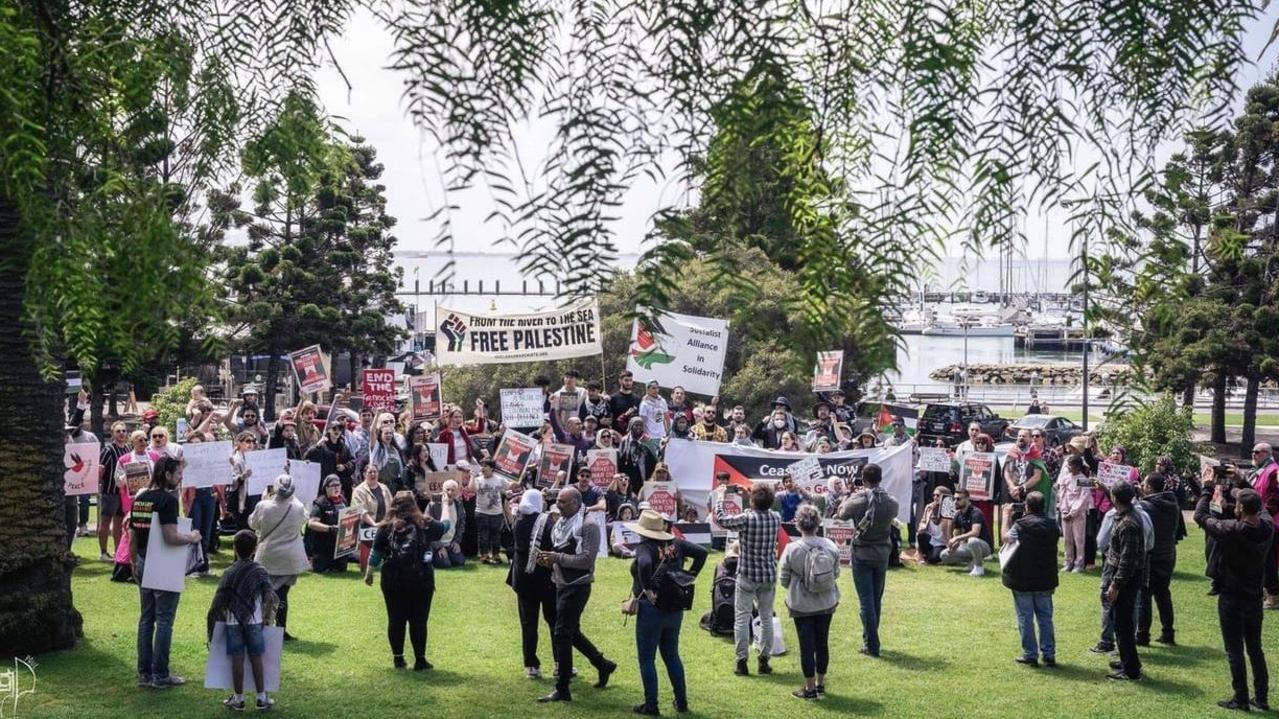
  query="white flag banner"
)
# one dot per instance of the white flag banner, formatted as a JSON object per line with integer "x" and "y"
{"x": 471, "y": 338}
{"x": 679, "y": 351}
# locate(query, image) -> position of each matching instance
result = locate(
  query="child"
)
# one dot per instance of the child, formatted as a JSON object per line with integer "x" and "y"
{"x": 1074, "y": 492}
{"x": 244, "y": 599}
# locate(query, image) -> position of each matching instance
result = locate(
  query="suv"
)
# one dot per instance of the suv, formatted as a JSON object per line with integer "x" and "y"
{"x": 948, "y": 421}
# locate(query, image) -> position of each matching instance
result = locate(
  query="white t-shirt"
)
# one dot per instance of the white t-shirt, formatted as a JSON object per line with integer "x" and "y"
{"x": 488, "y": 495}
{"x": 653, "y": 411}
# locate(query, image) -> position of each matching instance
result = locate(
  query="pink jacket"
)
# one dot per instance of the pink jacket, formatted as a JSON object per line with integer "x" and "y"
{"x": 1072, "y": 499}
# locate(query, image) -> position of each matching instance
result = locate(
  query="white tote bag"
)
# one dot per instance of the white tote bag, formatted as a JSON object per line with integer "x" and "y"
{"x": 779, "y": 644}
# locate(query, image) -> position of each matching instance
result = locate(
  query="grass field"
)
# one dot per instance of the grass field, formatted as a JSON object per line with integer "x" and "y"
{"x": 949, "y": 640}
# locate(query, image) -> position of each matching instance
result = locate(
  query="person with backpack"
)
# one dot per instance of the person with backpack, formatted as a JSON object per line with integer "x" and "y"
{"x": 402, "y": 550}
{"x": 245, "y": 601}
{"x": 809, "y": 569}
{"x": 1031, "y": 573}
{"x": 662, "y": 590}
{"x": 757, "y": 530}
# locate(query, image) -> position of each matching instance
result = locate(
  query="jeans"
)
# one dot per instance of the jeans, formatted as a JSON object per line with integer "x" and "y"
{"x": 1032, "y": 608}
{"x": 1240, "y": 618}
{"x": 868, "y": 580}
{"x": 1125, "y": 618}
{"x": 407, "y": 604}
{"x": 531, "y": 603}
{"x": 1158, "y": 590}
{"x": 656, "y": 630}
{"x": 84, "y": 509}
{"x": 204, "y": 509}
{"x": 489, "y": 533}
{"x": 929, "y": 550}
{"x": 750, "y": 595}
{"x": 973, "y": 551}
{"x": 570, "y": 602}
{"x": 155, "y": 628}
{"x": 814, "y": 639}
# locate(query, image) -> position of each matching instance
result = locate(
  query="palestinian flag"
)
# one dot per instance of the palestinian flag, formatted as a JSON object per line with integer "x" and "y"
{"x": 885, "y": 421}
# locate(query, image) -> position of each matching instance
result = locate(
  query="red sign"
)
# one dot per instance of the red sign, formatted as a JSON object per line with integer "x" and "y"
{"x": 603, "y": 465}
{"x": 309, "y": 367}
{"x": 661, "y": 497}
{"x": 427, "y": 398}
{"x": 378, "y": 386}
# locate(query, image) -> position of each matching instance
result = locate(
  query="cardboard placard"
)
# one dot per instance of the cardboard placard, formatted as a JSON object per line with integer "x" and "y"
{"x": 807, "y": 473}
{"x": 933, "y": 459}
{"x": 378, "y": 388}
{"x": 977, "y": 475}
{"x": 311, "y": 369}
{"x": 439, "y": 454}
{"x": 217, "y": 670}
{"x": 513, "y": 454}
{"x": 266, "y": 465}
{"x": 827, "y": 371}
{"x": 306, "y": 481}
{"x": 427, "y": 396}
{"x": 603, "y": 465}
{"x": 624, "y": 536}
{"x": 432, "y": 483}
{"x": 1110, "y": 473}
{"x": 948, "y": 507}
{"x": 556, "y": 458}
{"x": 166, "y": 564}
{"x": 81, "y": 464}
{"x": 208, "y": 463}
{"x": 348, "y": 533}
{"x": 522, "y": 407}
{"x": 732, "y": 504}
{"x": 661, "y": 497}
{"x": 137, "y": 476}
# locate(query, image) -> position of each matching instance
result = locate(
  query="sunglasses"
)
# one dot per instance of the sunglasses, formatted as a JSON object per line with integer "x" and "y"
{"x": 250, "y": 440}
{"x": 158, "y": 436}
{"x": 1036, "y": 436}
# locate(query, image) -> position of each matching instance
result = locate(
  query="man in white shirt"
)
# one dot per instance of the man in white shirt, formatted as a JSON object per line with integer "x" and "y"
{"x": 653, "y": 409}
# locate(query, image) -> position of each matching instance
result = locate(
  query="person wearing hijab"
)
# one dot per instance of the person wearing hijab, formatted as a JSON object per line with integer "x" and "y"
{"x": 278, "y": 521}
{"x": 452, "y": 511}
{"x": 322, "y": 526}
{"x": 534, "y": 591}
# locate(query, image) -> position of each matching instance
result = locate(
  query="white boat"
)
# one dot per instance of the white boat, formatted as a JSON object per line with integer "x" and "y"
{"x": 981, "y": 297}
{"x": 913, "y": 322}
{"x": 956, "y": 327}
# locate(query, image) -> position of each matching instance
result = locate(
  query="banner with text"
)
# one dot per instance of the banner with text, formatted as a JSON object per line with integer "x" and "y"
{"x": 603, "y": 465}
{"x": 469, "y": 338}
{"x": 977, "y": 475}
{"x": 679, "y": 351}
{"x": 522, "y": 408}
{"x": 378, "y": 386}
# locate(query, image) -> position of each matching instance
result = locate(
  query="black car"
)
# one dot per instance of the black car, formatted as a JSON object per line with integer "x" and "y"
{"x": 948, "y": 421}
{"x": 1057, "y": 430}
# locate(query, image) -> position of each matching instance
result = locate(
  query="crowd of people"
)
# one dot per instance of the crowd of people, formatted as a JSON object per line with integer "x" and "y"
{"x": 546, "y": 533}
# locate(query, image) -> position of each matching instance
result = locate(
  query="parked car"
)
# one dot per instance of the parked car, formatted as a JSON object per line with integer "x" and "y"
{"x": 948, "y": 421}
{"x": 1057, "y": 430}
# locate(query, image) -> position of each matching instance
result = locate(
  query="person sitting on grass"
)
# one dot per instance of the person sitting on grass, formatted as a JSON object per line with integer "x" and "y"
{"x": 245, "y": 601}
{"x": 969, "y": 541}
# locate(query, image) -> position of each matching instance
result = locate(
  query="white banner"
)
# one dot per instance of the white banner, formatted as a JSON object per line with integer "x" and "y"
{"x": 266, "y": 464}
{"x": 217, "y": 670}
{"x": 679, "y": 350}
{"x": 208, "y": 463}
{"x": 468, "y": 338}
{"x": 306, "y": 481}
{"x": 693, "y": 465}
{"x": 166, "y": 565}
{"x": 522, "y": 408}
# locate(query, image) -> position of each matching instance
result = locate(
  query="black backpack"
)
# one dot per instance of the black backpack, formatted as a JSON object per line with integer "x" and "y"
{"x": 719, "y": 620}
{"x": 672, "y": 587}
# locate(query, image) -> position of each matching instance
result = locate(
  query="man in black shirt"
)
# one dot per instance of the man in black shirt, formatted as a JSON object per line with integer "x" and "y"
{"x": 969, "y": 541}
{"x": 110, "y": 510}
{"x": 1165, "y": 514}
{"x": 155, "y": 627}
{"x": 1241, "y": 547}
{"x": 624, "y": 404}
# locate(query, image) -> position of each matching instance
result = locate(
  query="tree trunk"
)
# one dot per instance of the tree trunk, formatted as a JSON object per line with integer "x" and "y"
{"x": 113, "y": 408}
{"x": 1250, "y": 415}
{"x": 1219, "y": 407}
{"x": 268, "y": 392}
{"x": 36, "y": 612}
{"x": 96, "y": 419}
{"x": 1188, "y": 396}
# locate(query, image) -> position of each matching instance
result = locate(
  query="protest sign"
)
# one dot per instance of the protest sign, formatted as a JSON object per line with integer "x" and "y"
{"x": 625, "y": 537}
{"x": 603, "y": 465}
{"x": 933, "y": 459}
{"x": 556, "y": 458}
{"x": 348, "y": 533}
{"x": 948, "y": 507}
{"x": 1207, "y": 468}
{"x": 80, "y": 464}
{"x": 217, "y": 670}
{"x": 829, "y": 368}
{"x": 137, "y": 476}
{"x": 732, "y": 504}
{"x": 471, "y": 338}
{"x": 522, "y": 407}
{"x": 513, "y": 454}
{"x": 977, "y": 475}
{"x": 439, "y": 454}
{"x": 1111, "y": 473}
{"x": 306, "y": 481}
{"x": 311, "y": 369}
{"x": 378, "y": 388}
{"x": 807, "y": 474}
{"x": 678, "y": 350}
{"x": 841, "y": 533}
{"x": 265, "y": 465}
{"x": 432, "y": 483}
{"x": 208, "y": 463}
{"x": 426, "y": 395}
{"x": 166, "y": 566}
{"x": 661, "y": 497}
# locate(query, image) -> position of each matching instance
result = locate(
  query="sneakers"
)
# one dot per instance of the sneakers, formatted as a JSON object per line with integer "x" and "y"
{"x": 1102, "y": 648}
{"x": 144, "y": 682}
{"x": 532, "y": 673}
{"x": 265, "y": 704}
{"x": 1167, "y": 639}
{"x": 173, "y": 680}
{"x": 742, "y": 670}
{"x": 977, "y": 571}
{"x": 233, "y": 704}
{"x": 1233, "y": 703}
{"x": 104, "y": 557}
{"x": 1028, "y": 661}
{"x": 764, "y": 668}
{"x": 804, "y": 693}
{"x": 1119, "y": 676}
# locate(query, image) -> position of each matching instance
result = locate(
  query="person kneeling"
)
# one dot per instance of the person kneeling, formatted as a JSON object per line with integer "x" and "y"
{"x": 244, "y": 599}
{"x": 969, "y": 542}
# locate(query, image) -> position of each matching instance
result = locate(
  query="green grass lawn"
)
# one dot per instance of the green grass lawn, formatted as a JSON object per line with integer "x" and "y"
{"x": 949, "y": 640}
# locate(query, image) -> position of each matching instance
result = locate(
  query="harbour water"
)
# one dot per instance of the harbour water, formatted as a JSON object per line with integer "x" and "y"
{"x": 922, "y": 354}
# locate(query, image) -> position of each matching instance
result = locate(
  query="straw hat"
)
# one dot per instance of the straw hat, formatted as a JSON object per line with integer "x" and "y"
{"x": 651, "y": 525}
{"x": 1079, "y": 443}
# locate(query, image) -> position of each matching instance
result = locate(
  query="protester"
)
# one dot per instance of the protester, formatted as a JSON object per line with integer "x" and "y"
{"x": 1238, "y": 568}
{"x": 809, "y": 570}
{"x": 402, "y": 550}
{"x": 322, "y": 527}
{"x": 110, "y": 508}
{"x": 756, "y": 529}
{"x": 201, "y": 506}
{"x": 575, "y": 541}
{"x": 1164, "y": 512}
{"x": 619, "y": 495}
{"x": 706, "y": 430}
{"x": 450, "y": 511}
{"x": 1106, "y": 644}
{"x": 655, "y": 412}
{"x": 970, "y": 540}
{"x": 623, "y": 405}
{"x": 1264, "y": 480}
{"x": 278, "y": 521}
{"x": 769, "y": 433}
{"x": 457, "y": 440}
{"x": 1127, "y": 554}
{"x": 872, "y": 512}
{"x": 899, "y": 437}
{"x": 657, "y": 579}
{"x": 251, "y": 421}
{"x": 159, "y": 607}
{"x": 534, "y": 590}
{"x": 372, "y": 498}
{"x": 239, "y": 502}
{"x": 1031, "y": 574}
{"x": 933, "y": 528}
{"x": 790, "y": 496}
{"x": 245, "y": 601}
{"x": 334, "y": 456}
{"x": 742, "y": 436}
{"x": 635, "y": 458}
{"x": 489, "y": 517}
{"x": 1074, "y": 496}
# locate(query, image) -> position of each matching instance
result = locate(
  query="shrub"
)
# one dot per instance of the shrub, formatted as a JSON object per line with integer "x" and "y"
{"x": 1150, "y": 429}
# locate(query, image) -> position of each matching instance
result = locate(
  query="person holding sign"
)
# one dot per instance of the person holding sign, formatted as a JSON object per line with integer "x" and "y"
{"x": 809, "y": 569}
{"x": 372, "y": 498}
{"x": 278, "y": 521}
{"x": 322, "y": 527}
{"x": 157, "y": 504}
{"x": 934, "y": 526}
{"x": 245, "y": 601}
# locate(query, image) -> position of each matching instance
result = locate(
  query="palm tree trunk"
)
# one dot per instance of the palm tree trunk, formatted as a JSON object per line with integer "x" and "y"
{"x": 36, "y": 612}
{"x": 1219, "y": 407}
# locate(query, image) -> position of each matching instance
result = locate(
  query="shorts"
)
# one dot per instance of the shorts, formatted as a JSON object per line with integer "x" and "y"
{"x": 244, "y": 637}
{"x": 109, "y": 505}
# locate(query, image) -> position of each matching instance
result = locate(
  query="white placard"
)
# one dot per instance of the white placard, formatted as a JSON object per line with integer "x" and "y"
{"x": 208, "y": 463}
{"x": 266, "y": 465}
{"x": 806, "y": 471}
{"x": 678, "y": 351}
{"x": 933, "y": 459}
{"x": 602, "y": 521}
{"x": 80, "y": 462}
{"x": 522, "y": 408}
{"x": 1110, "y": 473}
{"x": 439, "y": 454}
{"x": 166, "y": 564}
{"x": 306, "y": 481}
{"x": 217, "y": 671}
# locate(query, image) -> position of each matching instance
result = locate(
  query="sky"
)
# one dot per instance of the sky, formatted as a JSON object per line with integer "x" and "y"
{"x": 372, "y": 107}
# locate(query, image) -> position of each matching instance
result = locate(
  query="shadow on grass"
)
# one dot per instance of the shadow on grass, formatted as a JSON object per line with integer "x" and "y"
{"x": 911, "y": 662}
{"x": 836, "y": 700}
{"x": 312, "y": 648}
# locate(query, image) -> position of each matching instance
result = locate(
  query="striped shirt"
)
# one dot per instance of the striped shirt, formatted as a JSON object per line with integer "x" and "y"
{"x": 757, "y": 541}
{"x": 111, "y": 454}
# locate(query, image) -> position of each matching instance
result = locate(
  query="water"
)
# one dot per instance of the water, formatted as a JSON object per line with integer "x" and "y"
{"x": 923, "y": 354}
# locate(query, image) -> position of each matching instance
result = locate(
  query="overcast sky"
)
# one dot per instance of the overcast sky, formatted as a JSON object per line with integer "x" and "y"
{"x": 373, "y": 108}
